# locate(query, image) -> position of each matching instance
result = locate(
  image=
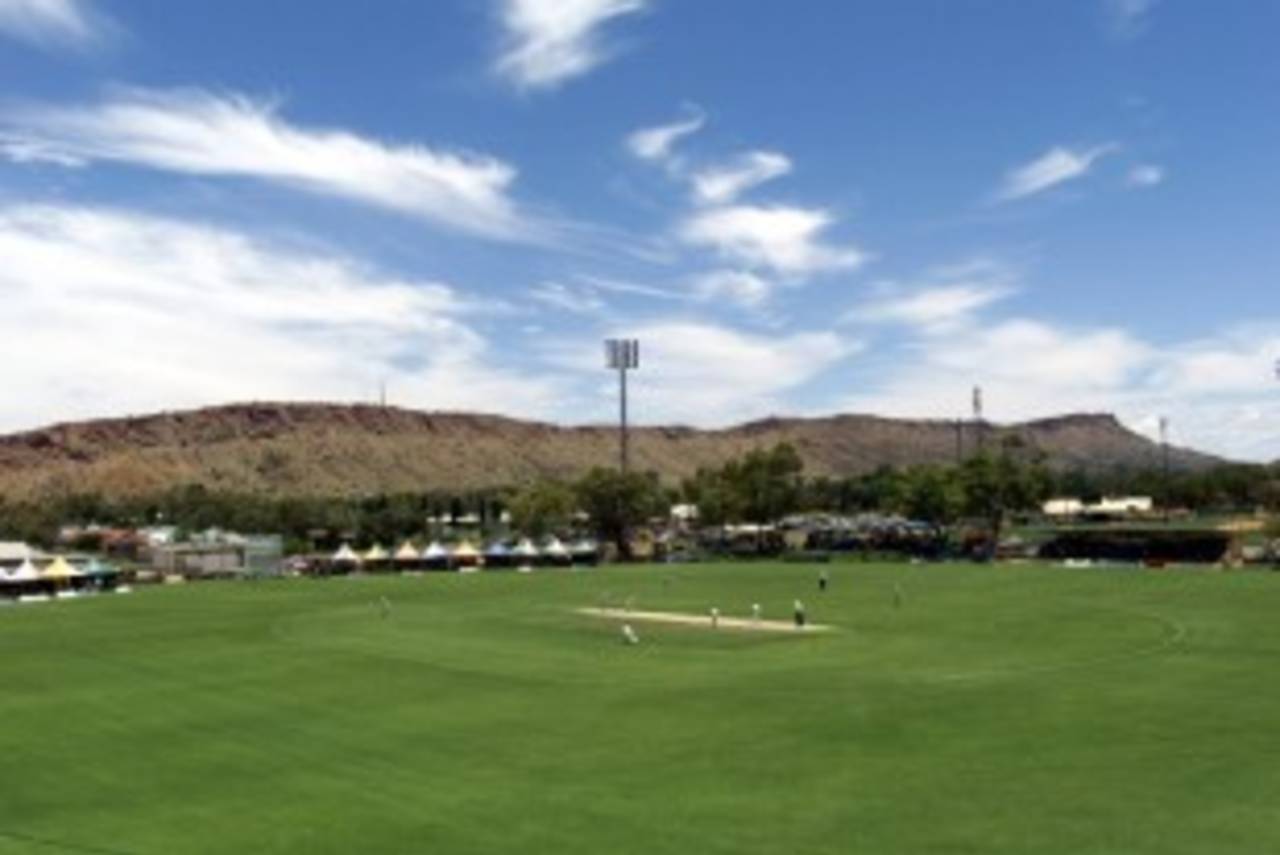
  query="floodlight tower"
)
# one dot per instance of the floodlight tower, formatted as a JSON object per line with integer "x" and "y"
{"x": 622, "y": 355}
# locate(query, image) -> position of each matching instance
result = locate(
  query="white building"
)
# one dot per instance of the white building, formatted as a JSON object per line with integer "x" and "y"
{"x": 1111, "y": 506}
{"x": 684, "y": 513}
{"x": 1063, "y": 508}
{"x": 1123, "y": 505}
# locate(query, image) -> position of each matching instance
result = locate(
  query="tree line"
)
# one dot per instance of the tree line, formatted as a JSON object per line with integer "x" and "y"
{"x": 759, "y": 487}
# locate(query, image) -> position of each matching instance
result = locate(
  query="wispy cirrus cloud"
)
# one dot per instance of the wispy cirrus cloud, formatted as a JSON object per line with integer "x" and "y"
{"x": 1128, "y": 19}
{"x": 548, "y": 42}
{"x": 620, "y": 286}
{"x": 194, "y": 131}
{"x": 54, "y": 23}
{"x": 943, "y": 299}
{"x": 28, "y": 151}
{"x": 576, "y": 299}
{"x": 1145, "y": 175}
{"x": 784, "y": 239}
{"x": 656, "y": 144}
{"x": 934, "y": 309}
{"x": 723, "y": 183}
{"x": 734, "y": 286}
{"x": 129, "y": 313}
{"x": 1056, "y": 166}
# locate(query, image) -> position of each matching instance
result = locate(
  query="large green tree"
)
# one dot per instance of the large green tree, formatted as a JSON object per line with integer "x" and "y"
{"x": 542, "y": 507}
{"x": 766, "y": 484}
{"x": 716, "y": 501}
{"x": 617, "y": 502}
{"x": 1012, "y": 479}
{"x": 931, "y": 494}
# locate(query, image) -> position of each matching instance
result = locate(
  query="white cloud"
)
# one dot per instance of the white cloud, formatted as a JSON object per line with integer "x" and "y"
{"x": 561, "y": 297}
{"x": 1239, "y": 360}
{"x": 705, "y": 374}
{"x": 110, "y": 312}
{"x": 1145, "y": 175}
{"x": 32, "y": 152}
{"x": 933, "y": 309}
{"x": 655, "y": 144}
{"x": 737, "y": 286}
{"x": 52, "y": 22}
{"x": 1128, "y": 18}
{"x": 786, "y": 240}
{"x": 719, "y": 185}
{"x": 619, "y": 286}
{"x": 1219, "y": 392}
{"x": 1054, "y": 167}
{"x": 1031, "y": 352}
{"x": 547, "y": 42}
{"x": 1026, "y": 368}
{"x": 198, "y": 132}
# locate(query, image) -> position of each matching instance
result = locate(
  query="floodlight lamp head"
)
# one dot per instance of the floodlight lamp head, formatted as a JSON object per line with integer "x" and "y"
{"x": 622, "y": 354}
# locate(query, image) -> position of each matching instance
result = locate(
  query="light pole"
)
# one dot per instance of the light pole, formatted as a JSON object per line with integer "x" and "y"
{"x": 622, "y": 355}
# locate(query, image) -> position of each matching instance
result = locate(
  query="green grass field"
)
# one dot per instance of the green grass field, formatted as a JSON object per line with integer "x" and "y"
{"x": 999, "y": 710}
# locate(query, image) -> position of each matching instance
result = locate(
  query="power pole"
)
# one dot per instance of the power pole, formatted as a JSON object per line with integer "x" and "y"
{"x": 622, "y": 355}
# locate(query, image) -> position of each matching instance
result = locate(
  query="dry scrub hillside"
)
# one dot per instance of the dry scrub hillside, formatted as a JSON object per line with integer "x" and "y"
{"x": 328, "y": 449}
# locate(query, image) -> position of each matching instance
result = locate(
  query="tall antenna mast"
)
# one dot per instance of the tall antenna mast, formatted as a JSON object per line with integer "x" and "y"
{"x": 977, "y": 414}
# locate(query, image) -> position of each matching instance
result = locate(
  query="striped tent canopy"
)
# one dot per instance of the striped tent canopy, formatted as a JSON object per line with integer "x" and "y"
{"x": 584, "y": 547}
{"x": 465, "y": 550}
{"x": 100, "y": 568}
{"x": 346, "y": 555}
{"x": 26, "y": 572}
{"x": 60, "y": 568}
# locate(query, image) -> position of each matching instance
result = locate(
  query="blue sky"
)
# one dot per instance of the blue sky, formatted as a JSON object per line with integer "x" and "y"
{"x": 798, "y": 208}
